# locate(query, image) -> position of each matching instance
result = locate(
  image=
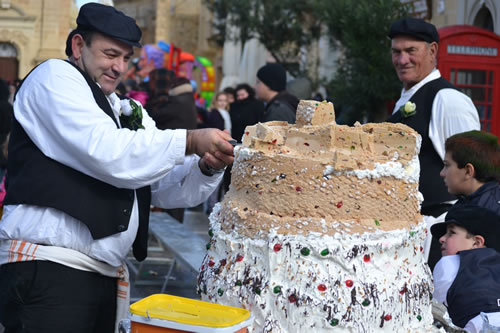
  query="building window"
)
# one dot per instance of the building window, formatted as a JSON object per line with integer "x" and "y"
{"x": 484, "y": 19}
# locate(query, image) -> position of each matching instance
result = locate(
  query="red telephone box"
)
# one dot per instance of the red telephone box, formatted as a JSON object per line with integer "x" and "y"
{"x": 469, "y": 58}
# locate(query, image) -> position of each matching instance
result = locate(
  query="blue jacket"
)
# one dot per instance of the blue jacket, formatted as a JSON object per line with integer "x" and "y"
{"x": 487, "y": 196}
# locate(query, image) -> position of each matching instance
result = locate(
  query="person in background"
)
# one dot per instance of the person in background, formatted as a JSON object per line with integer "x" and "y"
{"x": 218, "y": 116}
{"x": 172, "y": 105}
{"x": 245, "y": 111}
{"x": 3, "y": 192}
{"x": 467, "y": 277}
{"x": 471, "y": 169}
{"x": 270, "y": 88}
{"x": 84, "y": 168}
{"x": 430, "y": 105}
{"x": 231, "y": 95}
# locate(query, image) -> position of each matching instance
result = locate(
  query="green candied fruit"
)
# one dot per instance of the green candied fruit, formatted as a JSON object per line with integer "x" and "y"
{"x": 366, "y": 302}
{"x": 220, "y": 292}
{"x": 412, "y": 233}
{"x": 334, "y": 322}
{"x": 257, "y": 291}
{"x": 208, "y": 246}
{"x": 305, "y": 251}
{"x": 210, "y": 233}
{"x": 377, "y": 222}
{"x": 238, "y": 283}
{"x": 277, "y": 289}
{"x": 325, "y": 252}
{"x": 419, "y": 318}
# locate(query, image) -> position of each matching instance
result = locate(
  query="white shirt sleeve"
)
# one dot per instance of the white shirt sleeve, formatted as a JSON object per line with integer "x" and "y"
{"x": 56, "y": 108}
{"x": 444, "y": 274}
{"x": 184, "y": 186}
{"x": 452, "y": 112}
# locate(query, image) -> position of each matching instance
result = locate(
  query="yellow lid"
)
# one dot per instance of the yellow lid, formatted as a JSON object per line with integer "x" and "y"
{"x": 189, "y": 311}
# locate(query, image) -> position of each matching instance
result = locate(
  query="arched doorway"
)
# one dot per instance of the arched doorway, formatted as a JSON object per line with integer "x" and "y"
{"x": 484, "y": 19}
{"x": 9, "y": 64}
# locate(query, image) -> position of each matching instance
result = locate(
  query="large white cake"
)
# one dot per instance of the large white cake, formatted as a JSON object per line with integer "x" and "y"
{"x": 321, "y": 230}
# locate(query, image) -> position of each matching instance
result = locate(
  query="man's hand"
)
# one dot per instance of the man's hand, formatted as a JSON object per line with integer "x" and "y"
{"x": 212, "y": 145}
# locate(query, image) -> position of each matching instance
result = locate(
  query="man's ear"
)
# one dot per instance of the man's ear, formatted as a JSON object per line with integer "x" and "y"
{"x": 470, "y": 171}
{"x": 478, "y": 242}
{"x": 433, "y": 48}
{"x": 77, "y": 44}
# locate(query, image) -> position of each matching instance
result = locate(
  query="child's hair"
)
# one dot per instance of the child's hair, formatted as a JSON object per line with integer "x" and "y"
{"x": 478, "y": 148}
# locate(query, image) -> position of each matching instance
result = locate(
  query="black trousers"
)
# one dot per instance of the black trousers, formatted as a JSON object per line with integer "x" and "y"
{"x": 42, "y": 296}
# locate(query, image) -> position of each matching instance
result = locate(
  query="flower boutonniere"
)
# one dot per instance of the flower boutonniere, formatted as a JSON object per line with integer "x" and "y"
{"x": 408, "y": 110}
{"x": 132, "y": 112}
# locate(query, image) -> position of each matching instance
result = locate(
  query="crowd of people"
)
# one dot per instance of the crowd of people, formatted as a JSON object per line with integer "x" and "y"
{"x": 88, "y": 155}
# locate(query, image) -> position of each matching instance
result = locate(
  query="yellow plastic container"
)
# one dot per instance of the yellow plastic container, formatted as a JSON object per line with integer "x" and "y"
{"x": 163, "y": 313}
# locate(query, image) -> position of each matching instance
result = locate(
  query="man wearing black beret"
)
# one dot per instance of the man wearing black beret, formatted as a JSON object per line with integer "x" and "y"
{"x": 271, "y": 89}
{"x": 84, "y": 167}
{"x": 430, "y": 105}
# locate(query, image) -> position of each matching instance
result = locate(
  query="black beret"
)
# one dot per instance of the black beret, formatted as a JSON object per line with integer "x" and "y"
{"x": 416, "y": 28}
{"x": 476, "y": 220}
{"x": 273, "y": 75}
{"x": 109, "y": 21}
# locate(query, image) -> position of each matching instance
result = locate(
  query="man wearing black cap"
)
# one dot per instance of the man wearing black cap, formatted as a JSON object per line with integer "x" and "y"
{"x": 84, "y": 167}
{"x": 467, "y": 278}
{"x": 270, "y": 88}
{"x": 430, "y": 105}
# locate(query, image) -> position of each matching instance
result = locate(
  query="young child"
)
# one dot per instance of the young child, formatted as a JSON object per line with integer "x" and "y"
{"x": 467, "y": 277}
{"x": 472, "y": 169}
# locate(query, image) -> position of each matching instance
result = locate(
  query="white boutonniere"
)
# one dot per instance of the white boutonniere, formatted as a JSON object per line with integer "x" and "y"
{"x": 133, "y": 113}
{"x": 408, "y": 110}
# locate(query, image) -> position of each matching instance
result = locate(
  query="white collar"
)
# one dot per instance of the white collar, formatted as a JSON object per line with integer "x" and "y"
{"x": 435, "y": 74}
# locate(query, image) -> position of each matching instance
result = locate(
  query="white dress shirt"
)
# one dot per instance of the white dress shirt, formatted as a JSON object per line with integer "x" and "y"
{"x": 57, "y": 110}
{"x": 452, "y": 112}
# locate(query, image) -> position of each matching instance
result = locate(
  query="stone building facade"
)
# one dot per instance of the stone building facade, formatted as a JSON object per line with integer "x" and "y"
{"x": 32, "y": 31}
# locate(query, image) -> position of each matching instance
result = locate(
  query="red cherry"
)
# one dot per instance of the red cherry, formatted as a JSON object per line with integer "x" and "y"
{"x": 387, "y": 317}
{"x": 239, "y": 257}
{"x": 298, "y": 189}
{"x": 277, "y": 247}
{"x": 339, "y": 204}
{"x": 366, "y": 258}
{"x": 349, "y": 283}
{"x": 211, "y": 263}
{"x": 403, "y": 291}
{"x": 292, "y": 298}
{"x": 321, "y": 287}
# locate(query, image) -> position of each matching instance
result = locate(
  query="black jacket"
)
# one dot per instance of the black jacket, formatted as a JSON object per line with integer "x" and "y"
{"x": 282, "y": 107}
{"x": 245, "y": 113}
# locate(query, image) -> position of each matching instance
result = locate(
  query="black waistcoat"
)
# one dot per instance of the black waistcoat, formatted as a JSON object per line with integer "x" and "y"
{"x": 35, "y": 179}
{"x": 432, "y": 185}
{"x": 476, "y": 287}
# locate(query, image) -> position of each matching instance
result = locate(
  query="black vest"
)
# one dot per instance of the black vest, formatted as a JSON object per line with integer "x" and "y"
{"x": 35, "y": 179}
{"x": 431, "y": 184}
{"x": 476, "y": 287}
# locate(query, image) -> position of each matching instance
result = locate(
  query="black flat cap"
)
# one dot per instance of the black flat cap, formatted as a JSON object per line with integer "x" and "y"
{"x": 109, "y": 21}
{"x": 417, "y": 28}
{"x": 476, "y": 220}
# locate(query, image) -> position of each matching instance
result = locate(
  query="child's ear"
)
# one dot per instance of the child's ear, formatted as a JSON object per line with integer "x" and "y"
{"x": 478, "y": 242}
{"x": 470, "y": 171}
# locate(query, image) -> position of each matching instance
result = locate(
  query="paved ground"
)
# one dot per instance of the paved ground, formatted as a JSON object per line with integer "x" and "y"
{"x": 151, "y": 278}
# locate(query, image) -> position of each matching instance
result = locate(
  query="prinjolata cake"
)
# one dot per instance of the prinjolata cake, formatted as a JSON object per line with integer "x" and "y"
{"x": 321, "y": 230}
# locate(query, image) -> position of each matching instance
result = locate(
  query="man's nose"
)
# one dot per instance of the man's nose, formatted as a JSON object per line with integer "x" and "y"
{"x": 403, "y": 58}
{"x": 120, "y": 65}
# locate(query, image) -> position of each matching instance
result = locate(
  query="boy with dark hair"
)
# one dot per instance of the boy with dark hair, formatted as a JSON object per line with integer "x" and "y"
{"x": 467, "y": 278}
{"x": 472, "y": 169}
